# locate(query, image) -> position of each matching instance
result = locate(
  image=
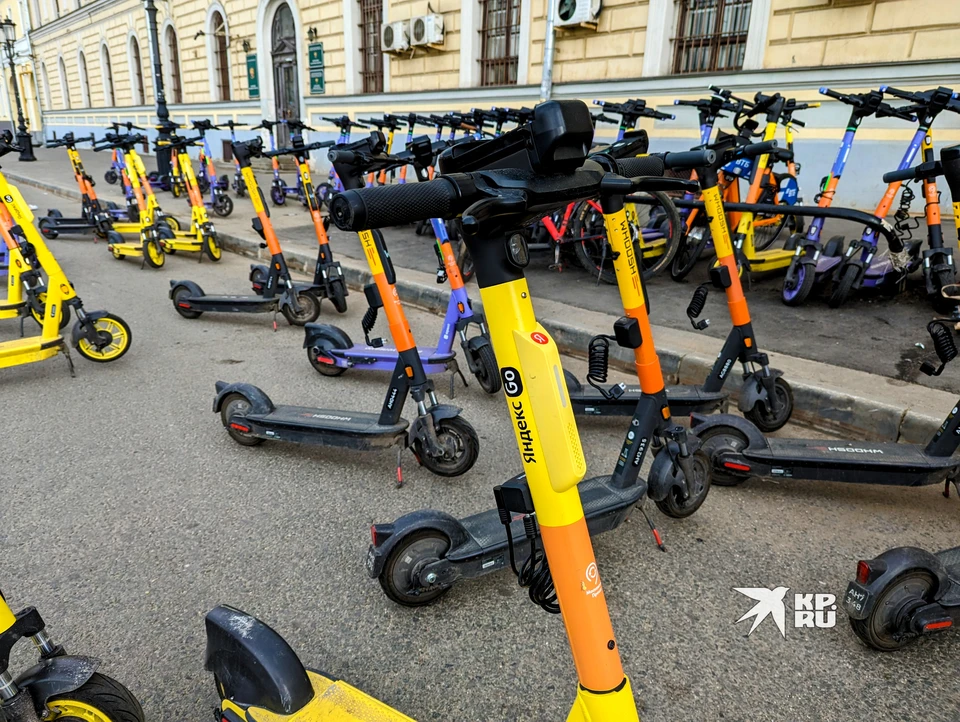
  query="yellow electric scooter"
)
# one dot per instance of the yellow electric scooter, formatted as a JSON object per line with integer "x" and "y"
{"x": 60, "y": 686}
{"x": 202, "y": 238}
{"x": 258, "y": 675}
{"x": 98, "y": 336}
{"x": 148, "y": 244}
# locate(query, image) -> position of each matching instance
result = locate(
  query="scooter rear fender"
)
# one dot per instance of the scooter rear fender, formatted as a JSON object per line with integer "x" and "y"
{"x": 700, "y": 424}
{"x": 387, "y": 536}
{"x": 54, "y": 676}
{"x": 893, "y": 562}
{"x": 194, "y": 288}
{"x": 260, "y": 403}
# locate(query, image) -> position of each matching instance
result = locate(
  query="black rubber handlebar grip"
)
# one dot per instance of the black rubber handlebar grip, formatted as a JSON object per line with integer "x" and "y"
{"x": 648, "y": 165}
{"x": 833, "y": 94}
{"x": 689, "y": 159}
{"x": 342, "y": 156}
{"x": 368, "y": 208}
{"x": 950, "y": 162}
{"x": 896, "y": 176}
{"x": 755, "y": 149}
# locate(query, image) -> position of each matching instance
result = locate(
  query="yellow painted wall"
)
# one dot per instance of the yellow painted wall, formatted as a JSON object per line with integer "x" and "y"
{"x": 427, "y": 68}
{"x": 839, "y": 32}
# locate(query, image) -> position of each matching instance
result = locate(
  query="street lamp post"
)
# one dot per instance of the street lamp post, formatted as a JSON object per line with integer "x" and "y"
{"x": 163, "y": 115}
{"x": 24, "y": 140}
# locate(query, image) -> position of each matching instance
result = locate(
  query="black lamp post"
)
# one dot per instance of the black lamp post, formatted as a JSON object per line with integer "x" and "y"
{"x": 23, "y": 135}
{"x": 163, "y": 115}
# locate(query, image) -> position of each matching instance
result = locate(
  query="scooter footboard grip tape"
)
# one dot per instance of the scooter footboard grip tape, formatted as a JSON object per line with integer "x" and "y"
{"x": 368, "y": 208}
{"x": 689, "y": 159}
{"x": 895, "y": 176}
{"x": 649, "y": 165}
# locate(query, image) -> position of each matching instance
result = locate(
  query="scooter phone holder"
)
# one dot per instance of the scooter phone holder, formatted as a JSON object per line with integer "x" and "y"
{"x": 627, "y": 332}
{"x": 720, "y": 277}
{"x": 551, "y": 410}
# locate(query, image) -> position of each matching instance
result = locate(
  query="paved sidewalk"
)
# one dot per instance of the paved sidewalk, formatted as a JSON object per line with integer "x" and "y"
{"x": 853, "y": 370}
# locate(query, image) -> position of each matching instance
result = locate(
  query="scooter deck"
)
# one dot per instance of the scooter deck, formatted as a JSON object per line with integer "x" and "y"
{"x": 373, "y": 354}
{"x": 604, "y": 506}
{"x": 868, "y": 463}
{"x": 29, "y": 350}
{"x": 683, "y": 400}
{"x": 327, "y": 427}
{"x": 227, "y": 304}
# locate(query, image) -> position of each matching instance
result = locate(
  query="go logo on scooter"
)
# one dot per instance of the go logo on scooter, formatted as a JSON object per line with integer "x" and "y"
{"x": 513, "y": 387}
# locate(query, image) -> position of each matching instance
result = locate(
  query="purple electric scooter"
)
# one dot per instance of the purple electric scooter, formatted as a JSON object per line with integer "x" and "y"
{"x": 807, "y": 270}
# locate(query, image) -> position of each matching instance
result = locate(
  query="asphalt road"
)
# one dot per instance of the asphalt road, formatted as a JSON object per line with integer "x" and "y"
{"x": 875, "y": 333}
{"x": 131, "y": 513}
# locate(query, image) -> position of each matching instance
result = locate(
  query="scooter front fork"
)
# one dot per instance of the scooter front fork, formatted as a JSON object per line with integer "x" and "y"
{"x": 808, "y": 252}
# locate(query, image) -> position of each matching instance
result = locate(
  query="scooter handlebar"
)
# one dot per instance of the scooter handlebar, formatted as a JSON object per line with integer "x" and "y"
{"x": 757, "y": 149}
{"x": 689, "y": 159}
{"x": 362, "y": 209}
{"x": 648, "y": 165}
{"x": 897, "y": 176}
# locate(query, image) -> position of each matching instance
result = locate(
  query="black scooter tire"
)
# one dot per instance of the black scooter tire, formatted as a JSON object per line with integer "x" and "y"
{"x": 337, "y": 339}
{"x": 231, "y": 403}
{"x": 915, "y": 585}
{"x": 338, "y": 296}
{"x": 48, "y": 228}
{"x": 111, "y": 177}
{"x": 677, "y": 508}
{"x": 804, "y": 287}
{"x": 153, "y": 253}
{"x": 107, "y": 696}
{"x": 688, "y": 254}
{"x": 413, "y": 551}
{"x": 713, "y": 442}
{"x": 178, "y": 293}
{"x": 768, "y": 423}
{"x": 488, "y": 373}
{"x": 844, "y": 287}
{"x": 223, "y": 206}
{"x": 468, "y": 448}
{"x": 309, "y": 310}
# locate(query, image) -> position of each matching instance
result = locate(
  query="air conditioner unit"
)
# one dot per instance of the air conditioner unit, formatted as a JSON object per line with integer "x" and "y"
{"x": 577, "y": 12}
{"x": 426, "y": 30}
{"x": 395, "y": 37}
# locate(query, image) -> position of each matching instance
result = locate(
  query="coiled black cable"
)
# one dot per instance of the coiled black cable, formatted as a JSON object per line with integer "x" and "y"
{"x": 535, "y": 574}
{"x": 943, "y": 341}
{"x": 903, "y": 224}
{"x": 598, "y": 359}
{"x": 369, "y": 320}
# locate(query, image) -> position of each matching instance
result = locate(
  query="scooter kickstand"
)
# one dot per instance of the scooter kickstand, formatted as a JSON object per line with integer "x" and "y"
{"x": 399, "y": 482}
{"x": 66, "y": 354}
{"x": 653, "y": 529}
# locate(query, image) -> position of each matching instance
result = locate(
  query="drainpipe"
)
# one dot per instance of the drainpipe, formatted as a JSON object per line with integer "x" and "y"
{"x": 546, "y": 82}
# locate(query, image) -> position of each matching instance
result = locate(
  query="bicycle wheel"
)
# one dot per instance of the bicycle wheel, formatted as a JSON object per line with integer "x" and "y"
{"x": 691, "y": 248}
{"x": 766, "y": 228}
{"x": 658, "y": 221}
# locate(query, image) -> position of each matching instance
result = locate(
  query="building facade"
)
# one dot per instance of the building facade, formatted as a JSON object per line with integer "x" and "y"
{"x": 86, "y": 63}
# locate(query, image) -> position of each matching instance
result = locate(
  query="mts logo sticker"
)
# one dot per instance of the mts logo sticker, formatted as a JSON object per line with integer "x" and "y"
{"x": 540, "y": 338}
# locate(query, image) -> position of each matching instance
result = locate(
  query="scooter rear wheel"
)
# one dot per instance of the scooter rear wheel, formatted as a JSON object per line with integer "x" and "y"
{"x": 882, "y": 630}
{"x": 769, "y": 422}
{"x": 179, "y": 293}
{"x": 674, "y": 506}
{"x": 48, "y": 228}
{"x": 237, "y": 404}
{"x": 99, "y": 699}
{"x": 334, "y": 338}
{"x": 716, "y": 441}
{"x": 461, "y": 444}
{"x": 405, "y": 560}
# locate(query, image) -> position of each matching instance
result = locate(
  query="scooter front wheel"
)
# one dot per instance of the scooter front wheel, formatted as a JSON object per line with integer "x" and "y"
{"x": 487, "y": 373}
{"x": 844, "y": 286}
{"x": 460, "y": 445}
{"x": 173, "y": 222}
{"x": 211, "y": 247}
{"x": 309, "y": 310}
{"x": 673, "y": 505}
{"x": 223, "y": 206}
{"x": 719, "y": 440}
{"x": 278, "y": 196}
{"x": 338, "y": 296}
{"x": 153, "y": 253}
{"x": 401, "y": 568}
{"x": 111, "y": 177}
{"x": 114, "y": 337}
{"x": 770, "y": 421}
{"x": 796, "y": 292}
{"x": 324, "y": 192}
{"x": 887, "y": 627}
{"x": 99, "y": 699}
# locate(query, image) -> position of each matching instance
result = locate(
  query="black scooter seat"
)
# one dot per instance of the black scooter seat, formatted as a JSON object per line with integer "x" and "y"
{"x": 357, "y": 423}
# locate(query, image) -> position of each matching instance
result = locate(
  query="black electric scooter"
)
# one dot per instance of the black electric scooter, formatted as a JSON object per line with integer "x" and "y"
{"x": 902, "y": 595}
{"x": 298, "y": 305}
{"x": 765, "y": 397}
{"x": 441, "y": 440}
{"x": 421, "y": 555}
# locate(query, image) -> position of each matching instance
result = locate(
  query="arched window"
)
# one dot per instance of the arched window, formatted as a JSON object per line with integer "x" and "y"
{"x": 221, "y": 63}
{"x": 45, "y": 81}
{"x": 107, "y": 72}
{"x": 84, "y": 80}
{"x": 136, "y": 73}
{"x": 174, "y": 86}
{"x": 64, "y": 88}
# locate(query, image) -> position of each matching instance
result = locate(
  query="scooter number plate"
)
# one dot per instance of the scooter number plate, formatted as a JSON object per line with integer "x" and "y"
{"x": 855, "y": 600}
